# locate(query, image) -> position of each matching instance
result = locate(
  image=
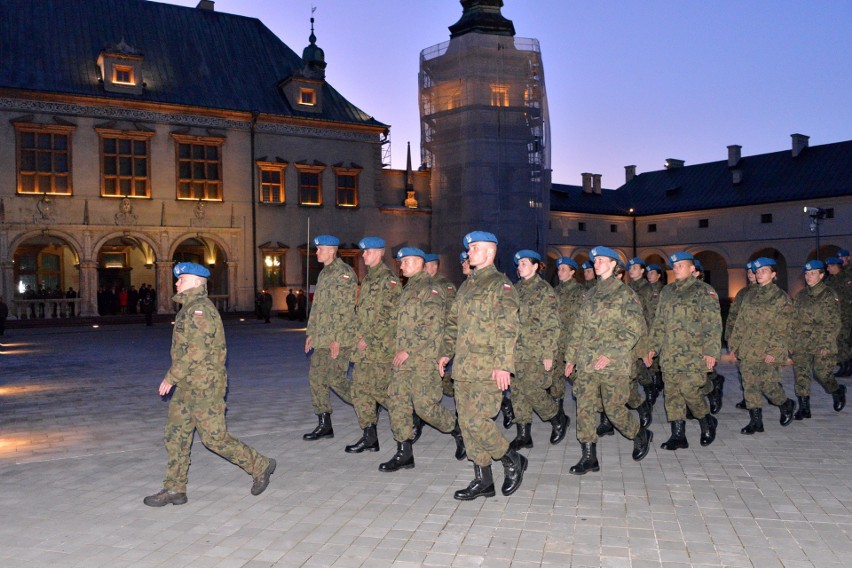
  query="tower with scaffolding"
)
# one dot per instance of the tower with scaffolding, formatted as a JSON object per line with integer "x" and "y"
{"x": 485, "y": 134}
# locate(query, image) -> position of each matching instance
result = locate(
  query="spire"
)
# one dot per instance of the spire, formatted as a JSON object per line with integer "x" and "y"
{"x": 482, "y": 16}
{"x": 313, "y": 56}
{"x": 409, "y": 175}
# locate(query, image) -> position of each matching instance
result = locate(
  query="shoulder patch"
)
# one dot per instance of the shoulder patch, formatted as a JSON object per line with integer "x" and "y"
{"x": 434, "y": 291}
{"x": 393, "y": 282}
{"x": 713, "y": 293}
{"x": 198, "y": 313}
{"x": 450, "y": 287}
{"x": 346, "y": 277}
{"x": 507, "y": 286}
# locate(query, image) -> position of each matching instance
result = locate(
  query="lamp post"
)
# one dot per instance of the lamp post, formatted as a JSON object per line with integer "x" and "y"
{"x": 816, "y": 214}
{"x": 633, "y": 218}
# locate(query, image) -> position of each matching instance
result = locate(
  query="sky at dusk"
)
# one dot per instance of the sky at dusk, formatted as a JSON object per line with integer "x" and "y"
{"x": 628, "y": 82}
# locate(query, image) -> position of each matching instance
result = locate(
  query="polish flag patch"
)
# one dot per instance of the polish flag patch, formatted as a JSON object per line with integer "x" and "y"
{"x": 198, "y": 313}
{"x": 434, "y": 291}
{"x": 346, "y": 277}
{"x": 507, "y": 286}
{"x": 393, "y": 282}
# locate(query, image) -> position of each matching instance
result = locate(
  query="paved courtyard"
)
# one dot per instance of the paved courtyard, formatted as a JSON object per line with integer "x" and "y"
{"x": 81, "y": 444}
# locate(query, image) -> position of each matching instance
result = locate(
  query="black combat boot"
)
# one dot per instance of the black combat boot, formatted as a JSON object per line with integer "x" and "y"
{"x": 560, "y": 424}
{"x": 369, "y": 442}
{"x": 742, "y": 405}
{"x": 658, "y": 384}
{"x": 651, "y": 394}
{"x": 481, "y": 486}
{"x": 508, "y": 412}
{"x": 605, "y": 428}
{"x": 839, "y": 397}
{"x": 323, "y": 429}
{"x": 514, "y": 465}
{"x": 418, "y": 428}
{"x": 461, "y": 451}
{"x": 804, "y": 410}
{"x": 708, "y": 429}
{"x": 677, "y": 441}
{"x": 402, "y": 459}
{"x": 165, "y": 497}
{"x": 756, "y": 422}
{"x": 589, "y": 461}
{"x": 524, "y": 437}
{"x": 715, "y": 396}
{"x": 642, "y": 443}
{"x": 645, "y": 417}
{"x": 787, "y": 409}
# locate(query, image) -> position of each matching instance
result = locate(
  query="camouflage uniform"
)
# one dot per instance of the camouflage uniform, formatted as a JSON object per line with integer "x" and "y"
{"x": 767, "y": 313}
{"x": 332, "y": 319}
{"x": 481, "y": 330}
{"x": 638, "y": 372}
{"x": 687, "y": 327}
{"x": 841, "y": 283}
{"x": 569, "y": 295}
{"x": 198, "y": 400}
{"x": 609, "y": 322}
{"x": 815, "y": 327}
{"x": 537, "y": 341}
{"x": 375, "y": 318}
{"x": 416, "y": 387}
{"x": 450, "y": 293}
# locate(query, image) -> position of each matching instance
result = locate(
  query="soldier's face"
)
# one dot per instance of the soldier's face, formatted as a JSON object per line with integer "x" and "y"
{"x": 765, "y": 274}
{"x": 431, "y": 268}
{"x": 325, "y": 254}
{"x": 410, "y": 265}
{"x": 589, "y": 273}
{"x": 481, "y": 254}
{"x": 526, "y": 268}
{"x": 465, "y": 267}
{"x": 833, "y": 269}
{"x": 187, "y": 282}
{"x": 813, "y": 277}
{"x": 653, "y": 276}
{"x": 604, "y": 266}
{"x": 845, "y": 260}
{"x": 635, "y": 271}
{"x": 372, "y": 257}
{"x": 752, "y": 278}
{"x": 564, "y": 272}
{"x": 683, "y": 269}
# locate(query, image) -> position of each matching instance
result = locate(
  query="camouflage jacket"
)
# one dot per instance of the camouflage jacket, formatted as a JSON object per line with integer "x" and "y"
{"x": 375, "y": 315}
{"x": 654, "y": 299}
{"x": 420, "y": 322}
{"x": 768, "y": 317}
{"x": 645, "y": 294}
{"x": 482, "y": 326}
{"x": 816, "y": 321}
{"x": 198, "y": 347}
{"x": 570, "y": 294}
{"x": 333, "y": 312}
{"x": 609, "y": 322}
{"x": 538, "y": 334}
{"x": 687, "y": 326}
{"x": 449, "y": 289}
{"x": 734, "y": 310}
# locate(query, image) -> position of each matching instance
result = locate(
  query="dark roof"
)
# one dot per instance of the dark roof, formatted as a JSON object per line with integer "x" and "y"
{"x": 817, "y": 172}
{"x": 192, "y": 57}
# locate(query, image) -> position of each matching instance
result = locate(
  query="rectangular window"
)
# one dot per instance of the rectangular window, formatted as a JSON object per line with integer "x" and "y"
{"x": 652, "y": 227}
{"x": 272, "y": 182}
{"x": 307, "y": 97}
{"x": 310, "y": 185}
{"x": 123, "y": 74}
{"x": 829, "y": 213}
{"x": 581, "y": 226}
{"x": 125, "y": 164}
{"x": 766, "y": 218}
{"x": 44, "y": 159}
{"x": 199, "y": 171}
{"x": 613, "y": 228}
{"x": 273, "y": 270}
{"x": 703, "y": 223}
{"x": 347, "y": 186}
{"x": 499, "y": 95}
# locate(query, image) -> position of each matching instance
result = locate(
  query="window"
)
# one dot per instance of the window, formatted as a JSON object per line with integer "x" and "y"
{"x": 307, "y": 97}
{"x": 829, "y": 213}
{"x": 703, "y": 223}
{"x": 766, "y": 218}
{"x": 272, "y": 182}
{"x": 199, "y": 161}
{"x": 613, "y": 228}
{"x": 44, "y": 158}
{"x": 125, "y": 164}
{"x": 499, "y": 95}
{"x": 581, "y": 226}
{"x": 274, "y": 273}
{"x": 652, "y": 227}
{"x": 310, "y": 185}
{"x": 347, "y": 186}
{"x": 123, "y": 74}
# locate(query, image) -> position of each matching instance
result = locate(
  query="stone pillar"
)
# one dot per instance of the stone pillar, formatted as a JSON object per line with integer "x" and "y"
{"x": 88, "y": 288}
{"x": 165, "y": 288}
{"x": 7, "y": 282}
{"x": 233, "y": 300}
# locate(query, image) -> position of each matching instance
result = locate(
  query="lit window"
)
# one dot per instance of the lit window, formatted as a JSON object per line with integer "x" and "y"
{"x": 123, "y": 74}
{"x": 44, "y": 159}
{"x": 310, "y": 185}
{"x": 307, "y": 97}
{"x": 273, "y": 268}
{"x": 499, "y": 95}
{"x": 347, "y": 186}
{"x": 125, "y": 164}
{"x": 199, "y": 162}
{"x": 272, "y": 182}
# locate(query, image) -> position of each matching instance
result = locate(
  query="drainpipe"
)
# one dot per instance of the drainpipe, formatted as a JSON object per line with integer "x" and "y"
{"x": 254, "y": 116}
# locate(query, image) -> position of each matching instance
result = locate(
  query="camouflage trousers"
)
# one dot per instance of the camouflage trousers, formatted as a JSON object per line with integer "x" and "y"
{"x": 326, "y": 373}
{"x": 638, "y": 376}
{"x": 416, "y": 391}
{"x": 761, "y": 379}
{"x": 709, "y": 382}
{"x": 685, "y": 389}
{"x": 529, "y": 392}
{"x": 447, "y": 384}
{"x": 478, "y": 403}
{"x": 370, "y": 387}
{"x": 609, "y": 392}
{"x": 807, "y": 365}
{"x": 557, "y": 380}
{"x": 208, "y": 417}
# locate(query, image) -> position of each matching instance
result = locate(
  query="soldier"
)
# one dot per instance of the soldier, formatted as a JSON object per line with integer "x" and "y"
{"x": 715, "y": 383}
{"x": 816, "y": 325}
{"x": 654, "y": 275}
{"x": 415, "y": 388}
{"x": 431, "y": 268}
{"x": 589, "y": 278}
{"x": 535, "y": 352}
{"x": 687, "y": 334}
{"x": 840, "y": 280}
{"x": 481, "y": 330}
{"x": 607, "y": 328}
{"x": 465, "y": 263}
{"x": 569, "y": 293}
{"x": 639, "y": 373}
{"x": 751, "y": 286}
{"x": 375, "y": 317}
{"x": 763, "y": 345}
{"x": 331, "y": 327}
{"x": 200, "y": 380}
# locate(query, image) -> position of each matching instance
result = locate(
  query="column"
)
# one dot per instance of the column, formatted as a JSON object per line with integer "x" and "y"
{"x": 88, "y": 292}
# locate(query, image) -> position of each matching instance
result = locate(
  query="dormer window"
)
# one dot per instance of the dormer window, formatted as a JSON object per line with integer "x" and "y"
{"x": 307, "y": 97}
{"x": 121, "y": 69}
{"x": 123, "y": 74}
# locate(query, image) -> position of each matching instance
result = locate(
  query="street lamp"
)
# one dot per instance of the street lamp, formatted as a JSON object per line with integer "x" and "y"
{"x": 816, "y": 214}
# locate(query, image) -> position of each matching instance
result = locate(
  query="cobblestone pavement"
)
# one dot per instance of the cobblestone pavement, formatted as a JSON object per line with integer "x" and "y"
{"x": 81, "y": 444}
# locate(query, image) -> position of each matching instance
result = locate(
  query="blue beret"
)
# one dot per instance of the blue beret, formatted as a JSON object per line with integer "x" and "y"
{"x": 842, "y": 252}
{"x": 698, "y": 266}
{"x": 607, "y": 252}
{"x": 410, "y": 251}
{"x": 587, "y": 265}
{"x": 429, "y": 257}
{"x": 479, "y": 237}
{"x": 682, "y": 255}
{"x": 371, "y": 243}
{"x": 526, "y": 253}
{"x": 656, "y": 267}
{"x": 749, "y": 266}
{"x": 190, "y": 268}
{"x": 463, "y": 256}
{"x": 833, "y": 260}
{"x": 635, "y": 260}
{"x": 326, "y": 241}
{"x": 763, "y": 261}
{"x": 567, "y": 260}
{"x": 813, "y": 265}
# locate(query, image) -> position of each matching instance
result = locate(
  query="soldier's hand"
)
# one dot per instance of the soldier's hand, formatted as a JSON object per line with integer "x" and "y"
{"x": 502, "y": 378}
{"x": 548, "y": 364}
{"x": 334, "y": 347}
{"x": 400, "y": 358}
{"x": 308, "y": 344}
{"x": 648, "y": 361}
{"x": 711, "y": 362}
{"x": 165, "y": 387}
{"x": 442, "y": 365}
{"x": 569, "y": 368}
{"x": 601, "y": 362}
{"x": 362, "y": 345}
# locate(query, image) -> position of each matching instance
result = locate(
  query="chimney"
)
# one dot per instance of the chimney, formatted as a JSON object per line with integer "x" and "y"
{"x": 734, "y": 155}
{"x": 205, "y": 5}
{"x": 596, "y": 183}
{"x": 800, "y": 142}
{"x": 587, "y": 183}
{"x": 629, "y": 173}
{"x": 672, "y": 163}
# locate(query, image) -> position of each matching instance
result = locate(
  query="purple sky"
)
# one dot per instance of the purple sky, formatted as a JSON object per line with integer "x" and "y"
{"x": 629, "y": 82}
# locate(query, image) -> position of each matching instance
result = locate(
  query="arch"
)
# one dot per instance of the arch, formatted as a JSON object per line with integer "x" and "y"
{"x": 207, "y": 250}
{"x": 715, "y": 270}
{"x": 138, "y": 235}
{"x": 825, "y": 251}
{"x": 69, "y": 239}
{"x": 123, "y": 268}
{"x": 779, "y": 258}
